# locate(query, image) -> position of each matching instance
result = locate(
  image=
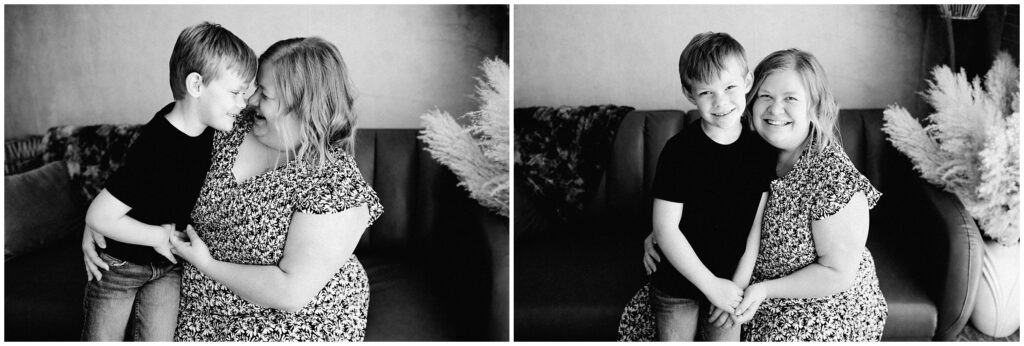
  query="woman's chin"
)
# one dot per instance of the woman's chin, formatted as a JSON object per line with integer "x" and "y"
{"x": 260, "y": 128}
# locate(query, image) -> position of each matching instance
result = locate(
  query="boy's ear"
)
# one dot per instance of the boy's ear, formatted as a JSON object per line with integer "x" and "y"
{"x": 194, "y": 84}
{"x": 748, "y": 82}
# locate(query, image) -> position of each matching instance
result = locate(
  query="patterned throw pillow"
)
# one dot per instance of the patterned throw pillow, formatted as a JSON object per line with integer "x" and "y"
{"x": 92, "y": 152}
{"x": 561, "y": 152}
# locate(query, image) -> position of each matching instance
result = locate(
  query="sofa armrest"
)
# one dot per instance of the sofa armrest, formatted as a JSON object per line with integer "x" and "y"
{"x": 495, "y": 230}
{"x": 962, "y": 270}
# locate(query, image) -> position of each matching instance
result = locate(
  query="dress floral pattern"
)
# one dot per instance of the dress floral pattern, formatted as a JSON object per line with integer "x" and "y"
{"x": 818, "y": 186}
{"x": 247, "y": 223}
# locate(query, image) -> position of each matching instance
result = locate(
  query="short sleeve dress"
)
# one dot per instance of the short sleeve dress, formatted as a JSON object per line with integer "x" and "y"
{"x": 247, "y": 223}
{"x": 818, "y": 186}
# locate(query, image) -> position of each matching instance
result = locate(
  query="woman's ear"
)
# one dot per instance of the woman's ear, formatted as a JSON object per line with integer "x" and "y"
{"x": 194, "y": 84}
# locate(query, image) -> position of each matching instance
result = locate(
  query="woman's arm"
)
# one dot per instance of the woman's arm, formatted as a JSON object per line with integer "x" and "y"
{"x": 746, "y": 266}
{"x": 318, "y": 245}
{"x": 839, "y": 241}
{"x": 108, "y": 216}
{"x": 720, "y": 292}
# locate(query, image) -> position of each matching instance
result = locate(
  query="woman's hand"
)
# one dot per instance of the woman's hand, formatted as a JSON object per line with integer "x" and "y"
{"x": 189, "y": 246}
{"x": 720, "y": 318}
{"x": 724, "y": 294}
{"x": 651, "y": 256}
{"x": 752, "y": 299}
{"x": 93, "y": 262}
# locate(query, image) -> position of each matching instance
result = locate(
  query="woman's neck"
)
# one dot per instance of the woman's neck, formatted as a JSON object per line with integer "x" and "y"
{"x": 788, "y": 159}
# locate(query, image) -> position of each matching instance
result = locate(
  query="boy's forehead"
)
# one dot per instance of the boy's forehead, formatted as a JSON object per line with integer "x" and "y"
{"x": 728, "y": 75}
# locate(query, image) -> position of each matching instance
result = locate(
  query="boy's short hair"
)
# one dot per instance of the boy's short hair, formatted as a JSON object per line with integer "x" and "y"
{"x": 207, "y": 48}
{"x": 706, "y": 56}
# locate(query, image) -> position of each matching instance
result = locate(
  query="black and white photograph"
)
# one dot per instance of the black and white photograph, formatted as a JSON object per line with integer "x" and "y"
{"x": 766, "y": 173}
{"x": 256, "y": 172}
{"x": 511, "y": 171}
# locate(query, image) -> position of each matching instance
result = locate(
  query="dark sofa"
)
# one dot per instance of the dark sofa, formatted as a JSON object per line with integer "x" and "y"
{"x": 436, "y": 260}
{"x": 574, "y": 278}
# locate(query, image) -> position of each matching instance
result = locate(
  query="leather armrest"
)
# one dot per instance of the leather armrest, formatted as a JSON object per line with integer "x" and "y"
{"x": 495, "y": 229}
{"x": 963, "y": 268}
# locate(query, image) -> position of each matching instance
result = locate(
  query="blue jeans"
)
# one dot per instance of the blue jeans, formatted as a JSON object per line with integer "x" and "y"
{"x": 679, "y": 319}
{"x": 146, "y": 293}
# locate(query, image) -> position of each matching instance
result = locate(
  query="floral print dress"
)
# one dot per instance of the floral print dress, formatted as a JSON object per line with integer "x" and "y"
{"x": 247, "y": 223}
{"x": 818, "y": 186}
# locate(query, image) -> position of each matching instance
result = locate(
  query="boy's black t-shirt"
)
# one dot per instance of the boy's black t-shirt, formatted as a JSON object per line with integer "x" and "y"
{"x": 720, "y": 187}
{"x": 160, "y": 180}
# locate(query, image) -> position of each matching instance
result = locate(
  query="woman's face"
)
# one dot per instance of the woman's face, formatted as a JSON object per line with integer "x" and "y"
{"x": 274, "y": 128}
{"x": 781, "y": 112}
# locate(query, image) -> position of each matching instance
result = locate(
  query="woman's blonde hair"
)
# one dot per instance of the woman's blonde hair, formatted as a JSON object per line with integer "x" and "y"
{"x": 313, "y": 85}
{"x": 821, "y": 102}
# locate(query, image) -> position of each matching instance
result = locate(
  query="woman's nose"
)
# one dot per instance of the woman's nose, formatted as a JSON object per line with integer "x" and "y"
{"x": 253, "y": 100}
{"x": 775, "y": 108}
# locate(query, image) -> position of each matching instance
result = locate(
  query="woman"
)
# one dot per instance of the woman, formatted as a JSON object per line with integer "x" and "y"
{"x": 814, "y": 279}
{"x": 281, "y": 212}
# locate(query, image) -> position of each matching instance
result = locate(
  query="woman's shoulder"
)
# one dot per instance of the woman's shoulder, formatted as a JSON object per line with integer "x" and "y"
{"x": 834, "y": 180}
{"x": 831, "y": 159}
{"x": 336, "y": 185}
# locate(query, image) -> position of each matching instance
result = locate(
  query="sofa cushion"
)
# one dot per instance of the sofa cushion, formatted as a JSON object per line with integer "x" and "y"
{"x": 40, "y": 208}
{"x": 403, "y": 304}
{"x": 573, "y": 284}
{"x": 43, "y": 292}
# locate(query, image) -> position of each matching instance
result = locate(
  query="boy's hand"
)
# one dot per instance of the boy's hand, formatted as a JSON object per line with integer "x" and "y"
{"x": 165, "y": 249}
{"x": 752, "y": 299}
{"x": 724, "y": 294}
{"x": 189, "y": 246}
{"x": 651, "y": 256}
{"x": 93, "y": 262}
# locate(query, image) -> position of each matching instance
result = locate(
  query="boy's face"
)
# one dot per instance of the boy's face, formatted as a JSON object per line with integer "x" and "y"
{"x": 221, "y": 101}
{"x": 721, "y": 100}
{"x": 274, "y": 127}
{"x": 781, "y": 110}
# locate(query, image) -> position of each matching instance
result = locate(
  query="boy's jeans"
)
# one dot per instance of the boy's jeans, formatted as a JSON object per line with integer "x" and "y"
{"x": 153, "y": 290}
{"x": 679, "y": 319}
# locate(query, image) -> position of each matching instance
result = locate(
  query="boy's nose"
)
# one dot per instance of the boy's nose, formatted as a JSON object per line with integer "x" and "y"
{"x": 720, "y": 100}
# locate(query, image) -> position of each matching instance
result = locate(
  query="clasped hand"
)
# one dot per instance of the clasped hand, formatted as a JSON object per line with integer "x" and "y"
{"x": 740, "y": 313}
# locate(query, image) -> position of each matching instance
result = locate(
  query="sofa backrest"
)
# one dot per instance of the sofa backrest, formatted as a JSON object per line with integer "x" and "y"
{"x": 413, "y": 187}
{"x": 625, "y": 193}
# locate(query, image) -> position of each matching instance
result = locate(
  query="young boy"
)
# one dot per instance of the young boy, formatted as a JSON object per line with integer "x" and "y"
{"x": 707, "y": 187}
{"x": 210, "y": 70}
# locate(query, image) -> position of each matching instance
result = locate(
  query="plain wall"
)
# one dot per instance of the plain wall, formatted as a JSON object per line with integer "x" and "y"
{"x": 629, "y": 55}
{"x": 81, "y": 65}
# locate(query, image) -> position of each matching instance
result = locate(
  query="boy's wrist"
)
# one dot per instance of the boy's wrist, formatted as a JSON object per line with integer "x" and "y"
{"x": 157, "y": 237}
{"x": 704, "y": 281}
